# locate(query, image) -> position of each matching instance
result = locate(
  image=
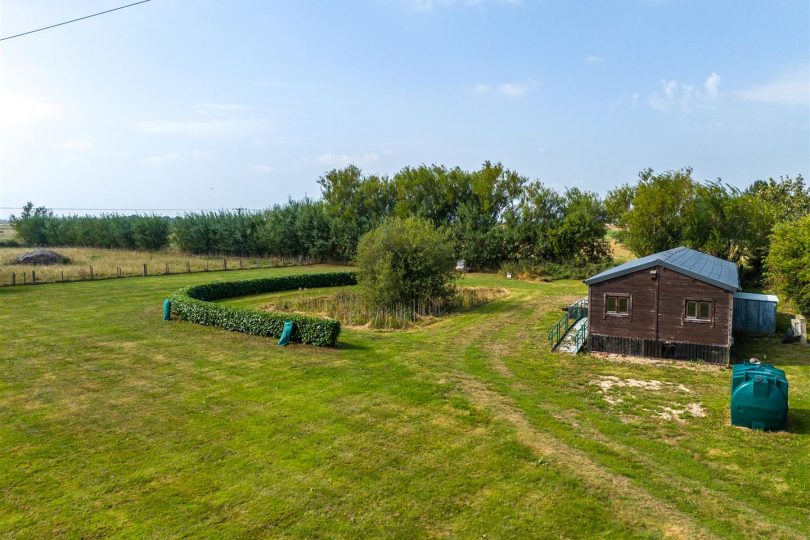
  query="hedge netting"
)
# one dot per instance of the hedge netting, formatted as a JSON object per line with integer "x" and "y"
{"x": 194, "y": 304}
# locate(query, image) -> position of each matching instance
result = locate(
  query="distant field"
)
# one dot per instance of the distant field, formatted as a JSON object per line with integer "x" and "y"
{"x": 106, "y": 262}
{"x": 114, "y": 423}
{"x": 6, "y": 232}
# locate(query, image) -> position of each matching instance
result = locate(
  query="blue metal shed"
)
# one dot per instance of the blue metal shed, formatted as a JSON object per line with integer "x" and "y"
{"x": 754, "y": 313}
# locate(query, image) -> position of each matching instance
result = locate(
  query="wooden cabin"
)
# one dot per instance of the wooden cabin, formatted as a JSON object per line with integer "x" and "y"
{"x": 675, "y": 304}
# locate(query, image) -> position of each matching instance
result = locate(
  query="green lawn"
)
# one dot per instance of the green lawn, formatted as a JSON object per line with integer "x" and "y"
{"x": 115, "y": 423}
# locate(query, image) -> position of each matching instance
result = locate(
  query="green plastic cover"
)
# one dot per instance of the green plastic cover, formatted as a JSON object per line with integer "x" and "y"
{"x": 286, "y": 334}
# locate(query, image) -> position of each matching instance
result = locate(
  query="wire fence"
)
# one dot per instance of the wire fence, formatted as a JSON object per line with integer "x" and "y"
{"x": 11, "y": 277}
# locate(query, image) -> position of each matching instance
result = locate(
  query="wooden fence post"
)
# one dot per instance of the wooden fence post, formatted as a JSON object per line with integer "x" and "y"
{"x": 240, "y": 265}
{"x": 188, "y": 267}
{"x": 167, "y": 268}
{"x": 91, "y": 271}
{"x": 224, "y": 264}
{"x": 33, "y": 277}
{"x": 13, "y": 278}
{"x": 144, "y": 270}
{"x": 24, "y": 279}
{"x": 63, "y": 275}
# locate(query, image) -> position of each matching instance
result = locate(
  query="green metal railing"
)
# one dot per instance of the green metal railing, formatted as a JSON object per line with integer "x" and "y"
{"x": 575, "y": 312}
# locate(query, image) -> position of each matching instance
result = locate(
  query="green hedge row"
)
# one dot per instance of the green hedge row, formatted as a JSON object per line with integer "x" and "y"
{"x": 194, "y": 304}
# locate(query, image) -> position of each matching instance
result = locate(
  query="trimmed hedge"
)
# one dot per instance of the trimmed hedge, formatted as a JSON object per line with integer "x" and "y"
{"x": 194, "y": 304}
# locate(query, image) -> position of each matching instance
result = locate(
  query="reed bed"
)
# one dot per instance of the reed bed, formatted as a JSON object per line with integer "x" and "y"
{"x": 350, "y": 309}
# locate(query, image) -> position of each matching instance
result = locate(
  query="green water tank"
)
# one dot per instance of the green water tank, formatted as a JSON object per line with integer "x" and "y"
{"x": 759, "y": 397}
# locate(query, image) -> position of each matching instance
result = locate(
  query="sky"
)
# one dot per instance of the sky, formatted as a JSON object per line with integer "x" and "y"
{"x": 202, "y": 104}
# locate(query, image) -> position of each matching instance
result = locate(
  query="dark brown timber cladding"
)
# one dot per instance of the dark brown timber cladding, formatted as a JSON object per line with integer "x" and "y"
{"x": 663, "y": 301}
{"x": 658, "y": 349}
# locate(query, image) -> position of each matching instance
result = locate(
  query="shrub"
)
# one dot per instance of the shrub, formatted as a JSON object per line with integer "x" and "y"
{"x": 194, "y": 304}
{"x": 404, "y": 261}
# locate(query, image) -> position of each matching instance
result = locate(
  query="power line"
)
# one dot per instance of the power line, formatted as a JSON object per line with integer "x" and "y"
{"x": 74, "y": 20}
{"x": 138, "y": 209}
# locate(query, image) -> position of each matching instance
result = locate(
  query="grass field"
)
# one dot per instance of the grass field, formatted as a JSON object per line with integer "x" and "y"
{"x": 115, "y": 423}
{"x": 106, "y": 262}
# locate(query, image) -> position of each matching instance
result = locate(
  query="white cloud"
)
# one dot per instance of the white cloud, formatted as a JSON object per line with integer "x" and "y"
{"x": 506, "y": 89}
{"x": 513, "y": 89}
{"x": 342, "y": 160}
{"x": 219, "y": 128}
{"x": 173, "y": 157}
{"x": 18, "y": 110}
{"x": 162, "y": 159}
{"x": 593, "y": 59}
{"x": 631, "y": 99}
{"x": 210, "y": 119}
{"x": 788, "y": 89}
{"x": 73, "y": 145}
{"x": 712, "y": 86}
{"x": 684, "y": 98}
{"x": 427, "y": 5}
{"x": 261, "y": 169}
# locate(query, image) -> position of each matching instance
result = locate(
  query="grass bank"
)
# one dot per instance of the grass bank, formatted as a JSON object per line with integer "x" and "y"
{"x": 115, "y": 423}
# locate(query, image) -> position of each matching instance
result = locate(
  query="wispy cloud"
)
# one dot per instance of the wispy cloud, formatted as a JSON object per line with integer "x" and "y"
{"x": 426, "y": 5}
{"x": 342, "y": 160}
{"x": 73, "y": 145}
{"x": 593, "y": 59}
{"x": 507, "y": 89}
{"x": 18, "y": 110}
{"x": 789, "y": 89}
{"x": 624, "y": 99}
{"x": 261, "y": 169}
{"x": 173, "y": 157}
{"x": 679, "y": 97}
{"x": 210, "y": 119}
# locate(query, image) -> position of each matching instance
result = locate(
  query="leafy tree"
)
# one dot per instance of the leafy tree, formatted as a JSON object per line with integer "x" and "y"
{"x": 788, "y": 262}
{"x": 532, "y": 222}
{"x": 788, "y": 198}
{"x": 483, "y": 198}
{"x": 405, "y": 260}
{"x": 354, "y": 205}
{"x": 655, "y": 222}
{"x": 618, "y": 202}
{"x": 579, "y": 237}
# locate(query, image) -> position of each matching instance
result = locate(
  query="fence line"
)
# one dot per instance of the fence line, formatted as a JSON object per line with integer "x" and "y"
{"x": 15, "y": 278}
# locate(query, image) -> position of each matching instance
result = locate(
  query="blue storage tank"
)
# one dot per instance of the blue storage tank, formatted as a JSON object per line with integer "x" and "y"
{"x": 754, "y": 313}
{"x": 759, "y": 397}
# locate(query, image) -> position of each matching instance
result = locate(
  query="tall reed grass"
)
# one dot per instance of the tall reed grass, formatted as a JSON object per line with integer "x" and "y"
{"x": 350, "y": 308}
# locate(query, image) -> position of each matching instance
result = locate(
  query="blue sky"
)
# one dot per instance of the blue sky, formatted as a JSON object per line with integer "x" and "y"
{"x": 210, "y": 104}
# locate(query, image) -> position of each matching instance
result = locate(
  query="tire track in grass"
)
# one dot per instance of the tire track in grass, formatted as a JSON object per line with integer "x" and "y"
{"x": 630, "y": 503}
{"x": 714, "y": 503}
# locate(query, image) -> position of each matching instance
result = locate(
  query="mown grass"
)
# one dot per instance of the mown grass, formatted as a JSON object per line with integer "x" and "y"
{"x": 115, "y": 423}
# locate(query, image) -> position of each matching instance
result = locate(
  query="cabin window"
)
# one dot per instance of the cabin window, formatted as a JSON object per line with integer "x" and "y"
{"x": 698, "y": 310}
{"x": 618, "y": 305}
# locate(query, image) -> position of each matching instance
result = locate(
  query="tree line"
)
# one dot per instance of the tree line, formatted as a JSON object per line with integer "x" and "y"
{"x": 670, "y": 209}
{"x": 490, "y": 215}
